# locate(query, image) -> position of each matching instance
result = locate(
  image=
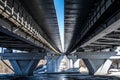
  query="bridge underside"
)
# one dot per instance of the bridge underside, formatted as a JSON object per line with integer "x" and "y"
{"x": 13, "y": 41}
{"x": 92, "y": 33}
{"x": 91, "y": 25}
{"x": 38, "y": 27}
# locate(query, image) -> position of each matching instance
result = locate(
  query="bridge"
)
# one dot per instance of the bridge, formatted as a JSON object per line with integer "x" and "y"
{"x": 91, "y": 33}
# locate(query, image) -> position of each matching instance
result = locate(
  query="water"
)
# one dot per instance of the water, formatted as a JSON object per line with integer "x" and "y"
{"x": 57, "y": 76}
{"x": 71, "y": 76}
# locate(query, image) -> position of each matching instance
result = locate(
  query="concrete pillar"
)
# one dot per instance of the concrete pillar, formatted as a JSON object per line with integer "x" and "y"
{"x": 72, "y": 59}
{"x": 77, "y": 63}
{"x": 49, "y": 64}
{"x": 98, "y": 66}
{"x": 23, "y": 63}
{"x": 89, "y": 66}
{"x": 103, "y": 69}
{"x": 52, "y": 63}
{"x": 24, "y": 67}
{"x": 98, "y": 63}
{"x": 71, "y": 63}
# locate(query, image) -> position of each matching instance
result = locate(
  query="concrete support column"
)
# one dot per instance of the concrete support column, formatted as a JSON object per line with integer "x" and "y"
{"x": 24, "y": 67}
{"x": 98, "y": 63}
{"x": 98, "y": 66}
{"x": 70, "y": 63}
{"x": 77, "y": 63}
{"x": 22, "y": 63}
{"x": 103, "y": 69}
{"x": 89, "y": 66}
{"x": 72, "y": 59}
{"x": 52, "y": 63}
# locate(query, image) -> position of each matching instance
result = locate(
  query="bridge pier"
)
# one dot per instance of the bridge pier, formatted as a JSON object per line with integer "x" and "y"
{"x": 72, "y": 60}
{"x": 98, "y": 63}
{"x": 71, "y": 63}
{"x": 23, "y": 63}
{"x": 24, "y": 67}
{"x": 53, "y": 63}
{"x": 98, "y": 66}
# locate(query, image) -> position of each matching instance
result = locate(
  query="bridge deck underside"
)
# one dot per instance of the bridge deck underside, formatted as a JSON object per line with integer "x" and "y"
{"x": 13, "y": 41}
{"x": 91, "y": 27}
{"x": 38, "y": 28}
{"x": 75, "y": 14}
{"x": 45, "y": 15}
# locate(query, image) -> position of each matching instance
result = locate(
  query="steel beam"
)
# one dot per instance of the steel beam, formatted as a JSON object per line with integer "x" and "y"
{"x": 22, "y": 56}
{"x": 89, "y": 66}
{"x": 98, "y": 63}
{"x": 103, "y": 69}
{"x": 98, "y": 66}
{"x": 103, "y": 33}
{"x": 23, "y": 63}
{"x": 53, "y": 63}
{"x": 9, "y": 35}
{"x": 110, "y": 39}
{"x": 97, "y": 55}
{"x": 24, "y": 67}
{"x": 107, "y": 43}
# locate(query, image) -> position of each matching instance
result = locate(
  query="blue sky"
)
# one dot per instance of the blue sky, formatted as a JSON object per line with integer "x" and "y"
{"x": 59, "y": 6}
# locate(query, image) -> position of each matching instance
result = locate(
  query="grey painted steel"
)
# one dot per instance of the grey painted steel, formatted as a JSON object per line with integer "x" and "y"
{"x": 19, "y": 21}
{"x": 97, "y": 55}
{"x": 16, "y": 67}
{"x": 98, "y": 66}
{"x": 89, "y": 66}
{"x": 103, "y": 33}
{"x": 22, "y": 56}
{"x": 24, "y": 67}
{"x": 22, "y": 63}
{"x": 110, "y": 22}
{"x": 45, "y": 15}
{"x": 100, "y": 18}
{"x": 53, "y": 63}
{"x": 73, "y": 57}
{"x": 11, "y": 40}
{"x": 76, "y": 12}
{"x": 104, "y": 68}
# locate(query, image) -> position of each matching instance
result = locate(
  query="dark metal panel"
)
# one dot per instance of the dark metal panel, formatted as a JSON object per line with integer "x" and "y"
{"x": 45, "y": 16}
{"x": 22, "y": 56}
{"x": 11, "y": 40}
{"x": 85, "y": 22}
{"x": 76, "y": 12}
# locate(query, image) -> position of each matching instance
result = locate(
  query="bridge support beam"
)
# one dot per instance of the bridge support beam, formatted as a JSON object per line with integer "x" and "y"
{"x": 98, "y": 66}
{"x": 53, "y": 63}
{"x": 98, "y": 63}
{"x": 72, "y": 60}
{"x": 23, "y": 63}
{"x": 24, "y": 67}
{"x": 103, "y": 69}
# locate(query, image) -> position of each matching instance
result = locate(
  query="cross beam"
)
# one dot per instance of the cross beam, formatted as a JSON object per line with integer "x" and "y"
{"x": 98, "y": 55}
{"x": 22, "y": 56}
